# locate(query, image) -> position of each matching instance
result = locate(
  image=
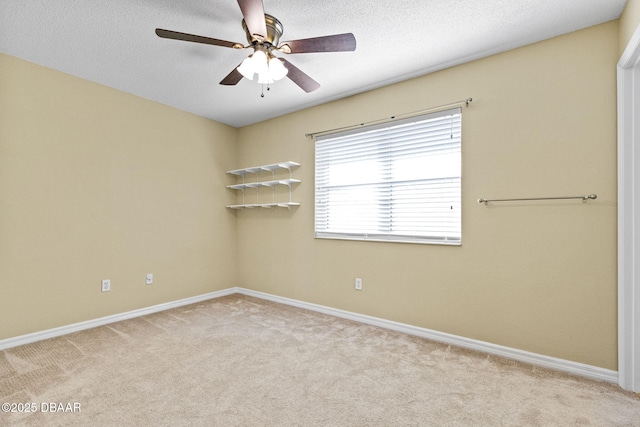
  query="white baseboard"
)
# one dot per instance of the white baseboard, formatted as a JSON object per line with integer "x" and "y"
{"x": 562, "y": 365}
{"x": 75, "y": 327}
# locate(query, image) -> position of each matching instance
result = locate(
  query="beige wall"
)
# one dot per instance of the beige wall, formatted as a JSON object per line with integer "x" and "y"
{"x": 98, "y": 184}
{"x": 535, "y": 276}
{"x": 629, "y": 22}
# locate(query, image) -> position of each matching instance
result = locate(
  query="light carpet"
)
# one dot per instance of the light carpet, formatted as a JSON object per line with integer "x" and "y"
{"x": 242, "y": 361}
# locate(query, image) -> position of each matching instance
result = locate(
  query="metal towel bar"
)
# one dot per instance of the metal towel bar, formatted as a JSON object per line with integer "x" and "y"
{"x": 584, "y": 199}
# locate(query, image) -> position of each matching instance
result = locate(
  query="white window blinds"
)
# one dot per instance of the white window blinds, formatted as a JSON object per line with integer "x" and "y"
{"x": 398, "y": 181}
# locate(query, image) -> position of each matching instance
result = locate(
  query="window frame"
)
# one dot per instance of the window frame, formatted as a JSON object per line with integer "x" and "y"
{"x": 391, "y": 236}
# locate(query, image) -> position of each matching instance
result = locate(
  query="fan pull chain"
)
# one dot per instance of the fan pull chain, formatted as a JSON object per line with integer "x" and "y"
{"x": 268, "y": 89}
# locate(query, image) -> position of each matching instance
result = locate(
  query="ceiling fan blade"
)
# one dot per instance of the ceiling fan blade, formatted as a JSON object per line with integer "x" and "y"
{"x": 253, "y": 13}
{"x": 337, "y": 43}
{"x": 168, "y": 34}
{"x": 232, "y": 78}
{"x": 297, "y": 76}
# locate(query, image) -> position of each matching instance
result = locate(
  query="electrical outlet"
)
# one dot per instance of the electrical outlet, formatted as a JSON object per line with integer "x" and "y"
{"x": 149, "y": 279}
{"x": 106, "y": 285}
{"x": 358, "y": 283}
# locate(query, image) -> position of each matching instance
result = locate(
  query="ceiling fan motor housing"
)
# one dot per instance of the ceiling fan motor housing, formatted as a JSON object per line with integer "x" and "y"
{"x": 274, "y": 31}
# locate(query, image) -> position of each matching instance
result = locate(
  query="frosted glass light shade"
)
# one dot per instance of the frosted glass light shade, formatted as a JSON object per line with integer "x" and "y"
{"x": 246, "y": 68}
{"x": 277, "y": 69}
{"x": 268, "y": 70}
{"x": 260, "y": 62}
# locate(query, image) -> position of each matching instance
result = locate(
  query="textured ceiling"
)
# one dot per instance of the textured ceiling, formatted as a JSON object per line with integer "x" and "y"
{"x": 113, "y": 43}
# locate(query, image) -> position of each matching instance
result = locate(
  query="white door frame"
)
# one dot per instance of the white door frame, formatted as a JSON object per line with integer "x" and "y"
{"x": 629, "y": 216}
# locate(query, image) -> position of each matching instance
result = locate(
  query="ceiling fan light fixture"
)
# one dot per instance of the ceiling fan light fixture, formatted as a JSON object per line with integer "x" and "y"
{"x": 254, "y": 64}
{"x": 268, "y": 70}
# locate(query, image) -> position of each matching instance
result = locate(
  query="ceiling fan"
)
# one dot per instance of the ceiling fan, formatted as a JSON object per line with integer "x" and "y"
{"x": 263, "y": 33}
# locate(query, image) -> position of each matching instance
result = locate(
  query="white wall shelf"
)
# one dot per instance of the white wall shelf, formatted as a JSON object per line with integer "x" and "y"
{"x": 272, "y": 183}
{"x": 264, "y": 205}
{"x": 264, "y": 184}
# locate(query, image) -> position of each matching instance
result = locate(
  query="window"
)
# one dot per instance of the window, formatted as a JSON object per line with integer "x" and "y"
{"x": 397, "y": 181}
